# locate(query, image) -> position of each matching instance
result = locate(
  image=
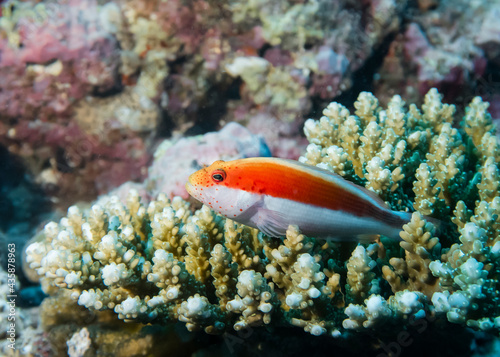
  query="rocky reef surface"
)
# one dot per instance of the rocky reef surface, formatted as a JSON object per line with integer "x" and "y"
{"x": 90, "y": 88}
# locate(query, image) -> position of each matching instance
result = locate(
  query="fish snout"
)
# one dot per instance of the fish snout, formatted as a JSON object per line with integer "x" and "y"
{"x": 196, "y": 183}
{"x": 189, "y": 187}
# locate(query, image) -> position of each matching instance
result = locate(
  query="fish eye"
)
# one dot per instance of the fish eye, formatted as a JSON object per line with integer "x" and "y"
{"x": 219, "y": 175}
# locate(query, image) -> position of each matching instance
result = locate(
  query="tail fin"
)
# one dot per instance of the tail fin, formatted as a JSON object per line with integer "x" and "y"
{"x": 394, "y": 222}
{"x": 406, "y": 218}
{"x": 437, "y": 223}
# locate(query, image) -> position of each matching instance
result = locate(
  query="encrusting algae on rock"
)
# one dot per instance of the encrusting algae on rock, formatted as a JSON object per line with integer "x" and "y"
{"x": 162, "y": 263}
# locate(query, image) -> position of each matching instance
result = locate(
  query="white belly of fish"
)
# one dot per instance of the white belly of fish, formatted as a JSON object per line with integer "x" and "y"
{"x": 274, "y": 215}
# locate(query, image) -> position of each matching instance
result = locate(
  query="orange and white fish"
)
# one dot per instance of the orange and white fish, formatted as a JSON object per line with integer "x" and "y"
{"x": 270, "y": 194}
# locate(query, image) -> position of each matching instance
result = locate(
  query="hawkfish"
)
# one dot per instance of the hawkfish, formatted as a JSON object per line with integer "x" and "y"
{"x": 270, "y": 194}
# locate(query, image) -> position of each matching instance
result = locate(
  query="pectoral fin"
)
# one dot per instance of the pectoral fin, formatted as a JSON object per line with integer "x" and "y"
{"x": 271, "y": 223}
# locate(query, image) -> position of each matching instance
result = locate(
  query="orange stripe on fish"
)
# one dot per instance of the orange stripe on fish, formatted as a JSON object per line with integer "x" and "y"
{"x": 270, "y": 193}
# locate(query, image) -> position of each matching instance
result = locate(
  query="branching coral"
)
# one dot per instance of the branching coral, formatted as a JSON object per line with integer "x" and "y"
{"x": 425, "y": 163}
{"x": 274, "y": 86}
{"x": 418, "y": 246}
{"x": 162, "y": 263}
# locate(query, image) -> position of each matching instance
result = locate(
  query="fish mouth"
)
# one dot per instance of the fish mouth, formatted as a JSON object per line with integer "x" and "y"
{"x": 189, "y": 188}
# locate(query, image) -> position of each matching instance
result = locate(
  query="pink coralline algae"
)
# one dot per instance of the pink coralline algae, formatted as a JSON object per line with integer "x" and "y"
{"x": 281, "y": 137}
{"x": 447, "y": 46}
{"x": 52, "y": 56}
{"x": 85, "y": 168}
{"x": 57, "y": 55}
{"x": 332, "y": 69}
{"x": 175, "y": 160}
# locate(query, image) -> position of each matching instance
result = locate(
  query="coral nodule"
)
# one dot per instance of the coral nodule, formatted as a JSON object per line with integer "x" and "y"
{"x": 162, "y": 263}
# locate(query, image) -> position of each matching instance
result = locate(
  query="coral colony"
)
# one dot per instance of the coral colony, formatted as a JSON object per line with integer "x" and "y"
{"x": 88, "y": 91}
{"x": 162, "y": 262}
